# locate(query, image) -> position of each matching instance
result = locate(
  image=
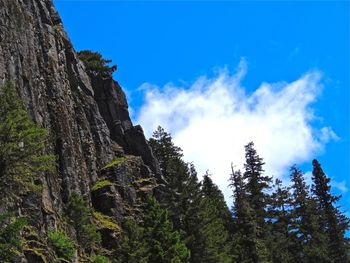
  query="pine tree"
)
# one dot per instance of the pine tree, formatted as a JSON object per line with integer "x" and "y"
{"x": 81, "y": 215}
{"x": 211, "y": 191}
{"x": 165, "y": 151}
{"x": 249, "y": 247}
{"x": 133, "y": 246}
{"x": 280, "y": 239}
{"x": 257, "y": 185}
{"x": 153, "y": 240}
{"x": 333, "y": 223}
{"x": 216, "y": 224}
{"x": 164, "y": 243}
{"x": 309, "y": 245}
{"x": 22, "y": 146}
{"x": 10, "y": 239}
{"x": 193, "y": 214}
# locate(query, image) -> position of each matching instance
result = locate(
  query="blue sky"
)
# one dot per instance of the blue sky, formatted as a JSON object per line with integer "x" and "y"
{"x": 173, "y": 52}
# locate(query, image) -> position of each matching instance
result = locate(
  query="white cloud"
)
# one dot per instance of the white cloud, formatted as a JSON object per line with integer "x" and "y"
{"x": 341, "y": 186}
{"x": 212, "y": 120}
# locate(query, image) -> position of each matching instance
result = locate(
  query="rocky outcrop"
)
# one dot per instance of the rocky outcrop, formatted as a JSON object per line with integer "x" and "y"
{"x": 87, "y": 118}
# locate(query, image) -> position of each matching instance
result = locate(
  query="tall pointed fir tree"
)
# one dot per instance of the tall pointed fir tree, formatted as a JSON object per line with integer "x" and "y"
{"x": 257, "y": 184}
{"x": 256, "y": 188}
{"x": 216, "y": 222}
{"x": 333, "y": 223}
{"x": 192, "y": 214}
{"x": 153, "y": 240}
{"x": 280, "y": 241}
{"x": 309, "y": 244}
{"x": 22, "y": 146}
{"x": 249, "y": 247}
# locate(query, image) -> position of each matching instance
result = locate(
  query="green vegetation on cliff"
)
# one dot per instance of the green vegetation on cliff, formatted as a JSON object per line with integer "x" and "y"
{"x": 22, "y": 147}
{"x": 96, "y": 64}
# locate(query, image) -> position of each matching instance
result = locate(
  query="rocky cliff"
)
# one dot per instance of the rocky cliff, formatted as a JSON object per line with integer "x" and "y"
{"x": 87, "y": 119}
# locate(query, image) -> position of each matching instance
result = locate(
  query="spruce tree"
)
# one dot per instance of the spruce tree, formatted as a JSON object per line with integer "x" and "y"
{"x": 210, "y": 190}
{"x": 280, "y": 241}
{"x": 163, "y": 241}
{"x": 257, "y": 185}
{"x": 80, "y": 216}
{"x": 22, "y": 146}
{"x": 333, "y": 223}
{"x": 132, "y": 246}
{"x": 309, "y": 245}
{"x": 153, "y": 240}
{"x": 249, "y": 247}
{"x": 216, "y": 223}
{"x": 197, "y": 218}
{"x": 256, "y": 188}
{"x": 10, "y": 239}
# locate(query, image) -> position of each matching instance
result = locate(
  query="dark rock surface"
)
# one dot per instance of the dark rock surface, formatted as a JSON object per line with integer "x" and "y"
{"x": 87, "y": 118}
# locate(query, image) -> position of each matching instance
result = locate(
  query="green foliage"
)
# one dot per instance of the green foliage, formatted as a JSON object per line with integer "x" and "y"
{"x": 56, "y": 29}
{"x": 81, "y": 216}
{"x": 22, "y": 145}
{"x": 280, "y": 218}
{"x": 95, "y": 64}
{"x": 164, "y": 243}
{"x": 200, "y": 214}
{"x": 10, "y": 239}
{"x": 154, "y": 240}
{"x": 101, "y": 184}
{"x": 63, "y": 245}
{"x": 249, "y": 209}
{"x": 100, "y": 259}
{"x": 105, "y": 222}
{"x": 132, "y": 247}
{"x": 333, "y": 223}
{"x": 114, "y": 162}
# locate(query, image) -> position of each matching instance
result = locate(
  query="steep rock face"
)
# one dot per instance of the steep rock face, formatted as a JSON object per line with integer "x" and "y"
{"x": 87, "y": 118}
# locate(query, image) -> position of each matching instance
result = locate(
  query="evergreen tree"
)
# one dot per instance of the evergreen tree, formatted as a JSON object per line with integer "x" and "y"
{"x": 154, "y": 240}
{"x": 165, "y": 151}
{"x": 10, "y": 239}
{"x": 309, "y": 245}
{"x": 280, "y": 239}
{"x": 215, "y": 224}
{"x": 194, "y": 215}
{"x": 211, "y": 191}
{"x": 164, "y": 243}
{"x": 95, "y": 64}
{"x": 257, "y": 185}
{"x": 133, "y": 246}
{"x": 249, "y": 247}
{"x": 333, "y": 223}
{"x": 80, "y": 215}
{"x": 22, "y": 145}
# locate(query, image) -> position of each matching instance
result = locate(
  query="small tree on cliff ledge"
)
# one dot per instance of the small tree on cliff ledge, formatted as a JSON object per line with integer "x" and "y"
{"x": 22, "y": 144}
{"x": 95, "y": 64}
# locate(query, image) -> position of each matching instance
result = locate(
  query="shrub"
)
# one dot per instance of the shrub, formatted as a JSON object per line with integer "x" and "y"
{"x": 63, "y": 245}
{"x": 100, "y": 259}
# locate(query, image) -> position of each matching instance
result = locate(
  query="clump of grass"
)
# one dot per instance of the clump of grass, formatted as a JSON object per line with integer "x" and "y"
{"x": 100, "y": 259}
{"x": 114, "y": 162}
{"x": 105, "y": 222}
{"x": 101, "y": 184}
{"x": 63, "y": 244}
